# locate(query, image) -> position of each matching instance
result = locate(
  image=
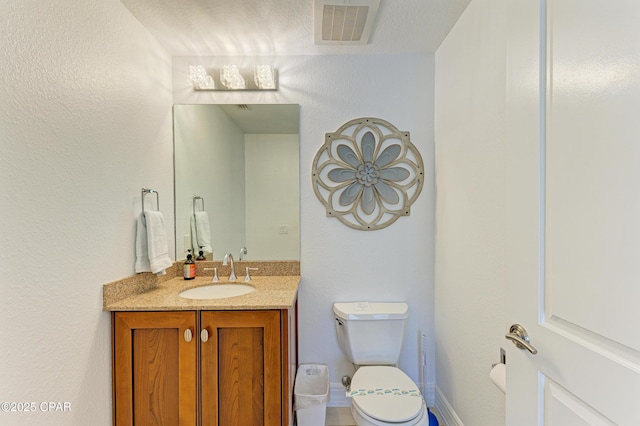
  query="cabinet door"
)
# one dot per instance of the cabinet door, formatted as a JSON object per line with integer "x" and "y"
{"x": 241, "y": 368}
{"x": 154, "y": 368}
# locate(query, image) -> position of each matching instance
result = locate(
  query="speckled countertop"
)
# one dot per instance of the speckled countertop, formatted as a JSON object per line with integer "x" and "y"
{"x": 147, "y": 292}
{"x": 270, "y": 293}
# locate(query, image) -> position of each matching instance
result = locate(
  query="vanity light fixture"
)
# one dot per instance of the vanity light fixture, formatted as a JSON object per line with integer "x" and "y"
{"x": 232, "y": 78}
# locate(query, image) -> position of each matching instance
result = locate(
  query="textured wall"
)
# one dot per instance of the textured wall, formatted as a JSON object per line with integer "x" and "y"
{"x": 339, "y": 263}
{"x": 85, "y": 122}
{"x": 470, "y": 213}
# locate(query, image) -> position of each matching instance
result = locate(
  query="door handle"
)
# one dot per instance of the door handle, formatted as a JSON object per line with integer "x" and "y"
{"x": 518, "y": 335}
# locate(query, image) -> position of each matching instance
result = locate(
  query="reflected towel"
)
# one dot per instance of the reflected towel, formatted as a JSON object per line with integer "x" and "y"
{"x": 152, "y": 250}
{"x": 201, "y": 232}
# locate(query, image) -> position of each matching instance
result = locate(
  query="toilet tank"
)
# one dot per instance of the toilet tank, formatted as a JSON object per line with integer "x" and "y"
{"x": 371, "y": 333}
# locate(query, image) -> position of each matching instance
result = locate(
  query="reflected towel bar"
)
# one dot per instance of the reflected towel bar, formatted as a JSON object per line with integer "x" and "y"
{"x": 196, "y": 198}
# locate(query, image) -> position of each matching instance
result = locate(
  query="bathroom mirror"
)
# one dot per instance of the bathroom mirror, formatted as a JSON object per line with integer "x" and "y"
{"x": 243, "y": 161}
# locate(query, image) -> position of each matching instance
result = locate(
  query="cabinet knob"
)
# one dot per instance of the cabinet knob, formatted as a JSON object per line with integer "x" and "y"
{"x": 188, "y": 335}
{"x": 204, "y": 335}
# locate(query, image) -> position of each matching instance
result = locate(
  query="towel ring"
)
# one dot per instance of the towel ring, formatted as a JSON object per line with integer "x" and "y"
{"x": 146, "y": 191}
{"x": 196, "y": 198}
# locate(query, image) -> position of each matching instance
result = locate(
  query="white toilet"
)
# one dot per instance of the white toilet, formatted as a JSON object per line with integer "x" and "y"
{"x": 371, "y": 336}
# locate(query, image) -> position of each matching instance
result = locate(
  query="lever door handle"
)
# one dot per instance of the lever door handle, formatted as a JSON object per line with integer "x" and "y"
{"x": 518, "y": 335}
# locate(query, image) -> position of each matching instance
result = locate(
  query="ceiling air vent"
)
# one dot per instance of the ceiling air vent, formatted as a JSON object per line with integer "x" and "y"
{"x": 343, "y": 21}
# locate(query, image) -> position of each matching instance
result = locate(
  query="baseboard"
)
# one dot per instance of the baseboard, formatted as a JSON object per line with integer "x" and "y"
{"x": 446, "y": 411}
{"x": 338, "y": 396}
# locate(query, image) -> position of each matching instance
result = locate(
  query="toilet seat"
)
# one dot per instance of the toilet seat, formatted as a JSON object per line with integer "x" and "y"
{"x": 386, "y": 394}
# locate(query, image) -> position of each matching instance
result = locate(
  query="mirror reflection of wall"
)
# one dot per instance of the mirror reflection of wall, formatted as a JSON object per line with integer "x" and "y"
{"x": 244, "y": 162}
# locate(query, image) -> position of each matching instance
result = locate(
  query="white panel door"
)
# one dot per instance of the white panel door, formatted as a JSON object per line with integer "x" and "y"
{"x": 573, "y": 98}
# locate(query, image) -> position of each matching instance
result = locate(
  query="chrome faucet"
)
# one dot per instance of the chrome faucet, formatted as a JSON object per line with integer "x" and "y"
{"x": 243, "y": 251}
{"x": 228, "y": 259}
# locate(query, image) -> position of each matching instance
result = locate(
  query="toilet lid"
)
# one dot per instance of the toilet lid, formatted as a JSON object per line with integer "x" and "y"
{"x": 386, "y": 394}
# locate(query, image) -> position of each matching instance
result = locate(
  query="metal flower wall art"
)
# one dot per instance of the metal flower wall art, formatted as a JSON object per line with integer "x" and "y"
{"x": 367, "y": 174}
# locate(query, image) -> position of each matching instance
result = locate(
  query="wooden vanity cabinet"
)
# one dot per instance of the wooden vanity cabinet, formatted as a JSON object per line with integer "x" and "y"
{"x": 236, "y": 370}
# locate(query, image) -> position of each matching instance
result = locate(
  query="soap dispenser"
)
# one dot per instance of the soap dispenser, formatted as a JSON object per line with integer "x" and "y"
{"x": 189, "y": 268}
{"x": 201, "y": 254}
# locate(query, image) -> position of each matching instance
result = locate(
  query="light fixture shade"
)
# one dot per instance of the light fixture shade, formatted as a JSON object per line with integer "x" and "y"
{"x": 264, "y": 78}
{"x": 231, "y": 78}
{"x": 200, "y": 79}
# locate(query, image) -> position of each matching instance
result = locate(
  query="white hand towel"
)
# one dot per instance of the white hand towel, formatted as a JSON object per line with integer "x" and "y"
{"x": 201, "y": 232}
{"x": 152, "y": 224}
{"x": 157, "y": 242}
{"x": 142, "y": 253}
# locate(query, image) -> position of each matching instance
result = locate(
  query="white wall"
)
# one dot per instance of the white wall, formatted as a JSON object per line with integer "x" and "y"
{"x": 272, "y": 196}
{"x": 86, "y": 122}
{"x": 339, "y": 263}
{"x": 214, "y": 171}
{"x": 470, "y": 214}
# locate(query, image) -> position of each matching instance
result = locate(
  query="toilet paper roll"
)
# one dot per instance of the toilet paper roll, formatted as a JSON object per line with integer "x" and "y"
{"x": 498, "y": 376}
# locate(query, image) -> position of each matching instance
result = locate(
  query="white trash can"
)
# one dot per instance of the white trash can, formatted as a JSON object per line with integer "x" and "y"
{"x": 311, "y": 392}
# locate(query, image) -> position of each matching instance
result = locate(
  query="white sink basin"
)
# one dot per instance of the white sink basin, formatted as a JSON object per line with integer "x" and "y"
{"x": 217, "y": 291}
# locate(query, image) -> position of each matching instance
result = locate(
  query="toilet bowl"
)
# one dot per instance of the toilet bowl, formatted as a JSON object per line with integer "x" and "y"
{"x": 385, "y": 395}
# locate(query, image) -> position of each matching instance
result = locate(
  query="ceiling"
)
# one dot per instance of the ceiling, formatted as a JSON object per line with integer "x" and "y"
{"x": 285, "y": 27}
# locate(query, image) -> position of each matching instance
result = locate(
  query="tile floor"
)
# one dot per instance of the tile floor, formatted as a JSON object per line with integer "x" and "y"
{"x": 341, "y": 416}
